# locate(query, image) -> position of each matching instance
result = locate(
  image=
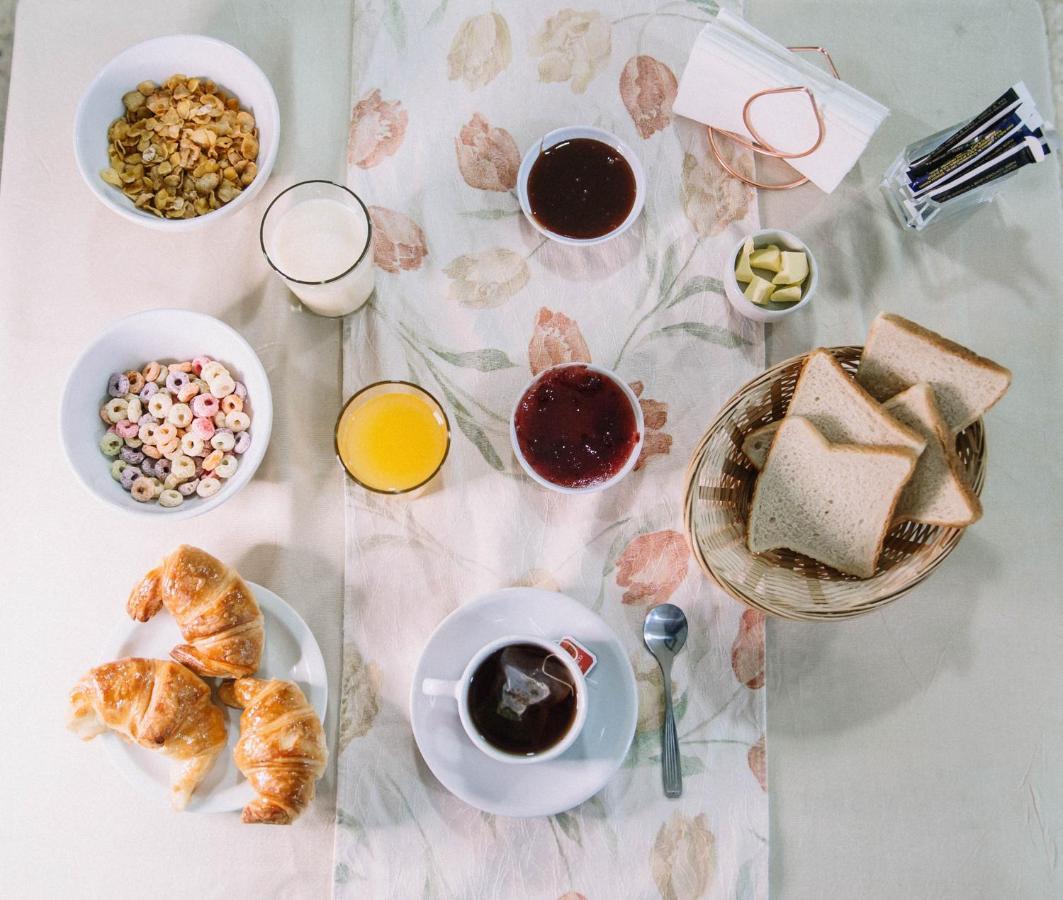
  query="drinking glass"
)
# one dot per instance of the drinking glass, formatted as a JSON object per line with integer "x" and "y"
{"x": 318, "y": 237}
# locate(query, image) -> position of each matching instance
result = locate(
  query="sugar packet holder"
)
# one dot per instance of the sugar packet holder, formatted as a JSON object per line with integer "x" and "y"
{"x": 961, "y": 168}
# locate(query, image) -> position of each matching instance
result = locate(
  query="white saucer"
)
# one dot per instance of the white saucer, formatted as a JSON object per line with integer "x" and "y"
{"x": 290, "y": 652}
{"x": 546, "y": 788}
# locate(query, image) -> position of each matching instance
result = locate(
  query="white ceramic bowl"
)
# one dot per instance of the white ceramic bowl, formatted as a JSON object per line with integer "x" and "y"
{"x": 574, "y": 132}
{"x": 600, "y": 485}
{"x": 773, "y": 313}
{"x": 156, "y": 60}
{"x": 158, "y": 334}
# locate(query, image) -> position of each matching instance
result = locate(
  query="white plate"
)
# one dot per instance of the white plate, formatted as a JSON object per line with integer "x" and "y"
{"x": 546, "y": 788}
{"x": 290, "y": 652}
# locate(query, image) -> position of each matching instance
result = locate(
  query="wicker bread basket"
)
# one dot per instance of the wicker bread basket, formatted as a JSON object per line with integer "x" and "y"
{"x": 719, "y": 489}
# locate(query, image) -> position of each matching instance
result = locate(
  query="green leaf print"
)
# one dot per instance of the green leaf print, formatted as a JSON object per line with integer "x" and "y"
{"x": 475, "y": 434}
{"x": 395, "y": 22}
{"x": 699, "y": 284}
{"x": 690, "y": 765}
{"x": 489, "y": 213}
{"x": 437, "y": 13}
{"x": 709, "y": 6}
{"x": 571, "y": 827}
{"x": 486, "y": 360}
{"x": 668, "y": 270}
{"x": 713, "y": 334}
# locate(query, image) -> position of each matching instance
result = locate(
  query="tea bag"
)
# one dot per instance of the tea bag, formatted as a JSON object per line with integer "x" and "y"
{"x": 521, "y": 690}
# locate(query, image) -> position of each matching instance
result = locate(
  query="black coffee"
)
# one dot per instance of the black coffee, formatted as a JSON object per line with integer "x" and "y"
{"x": 522, "y": 699}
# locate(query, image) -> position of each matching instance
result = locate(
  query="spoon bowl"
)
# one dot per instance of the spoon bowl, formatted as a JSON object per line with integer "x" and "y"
{"x": 665, "y": 631}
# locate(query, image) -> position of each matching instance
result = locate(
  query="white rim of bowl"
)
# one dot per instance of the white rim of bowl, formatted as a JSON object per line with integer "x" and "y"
{"x": 125, "y": 209}
{"x": 597, "y": 486}
{"x": 551, "y": 139}
{"x": 798, "y": 244}
{"x": 202, "y": 504}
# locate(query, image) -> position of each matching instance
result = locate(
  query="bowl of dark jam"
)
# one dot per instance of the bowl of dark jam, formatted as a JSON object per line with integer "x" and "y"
{"x": 577, "y": 428}
{"x": 581, "y": 186}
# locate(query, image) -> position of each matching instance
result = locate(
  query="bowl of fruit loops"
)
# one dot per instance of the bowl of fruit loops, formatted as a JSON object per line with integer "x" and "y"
{"x": 173, "y": 434}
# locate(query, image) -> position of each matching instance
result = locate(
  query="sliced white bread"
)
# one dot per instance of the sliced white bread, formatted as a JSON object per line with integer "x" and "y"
{"x": 937, "y": 493}
{"x": 757, "y": 442}
{"x": 832, "y": 502}
{"x": 842, "y": 411}
{"x": 898, "y": 353}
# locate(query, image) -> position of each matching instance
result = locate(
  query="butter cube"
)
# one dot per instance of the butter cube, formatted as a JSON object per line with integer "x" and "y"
{"x": 767, "y": 258}
{"x": 758, "y": 290}
{"x": 742, "y": 271}
{"x": 789, "y": 294}
{"x": 794, "y": 268}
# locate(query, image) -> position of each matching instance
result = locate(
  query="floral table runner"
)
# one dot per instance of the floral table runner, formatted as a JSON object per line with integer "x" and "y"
{"x": 470, "y": 302}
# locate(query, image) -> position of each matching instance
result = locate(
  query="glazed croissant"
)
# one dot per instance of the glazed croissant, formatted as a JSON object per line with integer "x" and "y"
{"x": 214, "y": 609}
{"x": 157, "y": 704}
{"x": 281, "y": 750}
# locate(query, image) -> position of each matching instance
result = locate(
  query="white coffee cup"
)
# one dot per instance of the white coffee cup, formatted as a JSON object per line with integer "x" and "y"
{"x": 459, "y": 691}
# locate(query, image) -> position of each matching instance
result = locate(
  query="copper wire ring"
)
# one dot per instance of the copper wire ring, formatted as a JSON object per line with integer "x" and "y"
{"x": 759, "y": 145}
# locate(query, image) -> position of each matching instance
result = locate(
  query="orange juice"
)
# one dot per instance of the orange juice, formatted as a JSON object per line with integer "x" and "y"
{"x": 392, "y": 437}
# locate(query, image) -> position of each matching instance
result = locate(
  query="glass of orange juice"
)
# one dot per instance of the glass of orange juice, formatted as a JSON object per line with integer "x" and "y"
{"x": 392, "y": 437}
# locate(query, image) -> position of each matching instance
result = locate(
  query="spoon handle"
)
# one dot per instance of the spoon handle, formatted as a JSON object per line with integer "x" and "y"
{"x": 673, "y": 773}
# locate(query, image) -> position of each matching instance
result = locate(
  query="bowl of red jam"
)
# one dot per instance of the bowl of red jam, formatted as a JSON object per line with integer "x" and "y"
{"x": 577, "y": 428}
{"x": 580, "y": 185}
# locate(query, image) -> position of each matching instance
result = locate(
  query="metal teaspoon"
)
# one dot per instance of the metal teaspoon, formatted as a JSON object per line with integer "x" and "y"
{"x": 665, "y": 633}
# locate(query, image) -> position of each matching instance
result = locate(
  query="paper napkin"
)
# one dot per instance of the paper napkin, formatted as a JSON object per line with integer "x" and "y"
{"x": 731, "y": 60}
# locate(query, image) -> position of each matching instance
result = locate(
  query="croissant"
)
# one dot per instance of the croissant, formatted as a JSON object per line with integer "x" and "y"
{"x": 214, "y": 609}
{"x": 281, "y": 750}
{"x": 159, "y": 705}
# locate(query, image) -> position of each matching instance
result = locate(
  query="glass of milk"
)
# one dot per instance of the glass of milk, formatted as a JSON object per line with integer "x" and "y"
{"x": 317, "y": 236}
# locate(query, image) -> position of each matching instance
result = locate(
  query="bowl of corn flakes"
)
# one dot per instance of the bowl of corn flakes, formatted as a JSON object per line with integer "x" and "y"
{"x": 177, "y": 131}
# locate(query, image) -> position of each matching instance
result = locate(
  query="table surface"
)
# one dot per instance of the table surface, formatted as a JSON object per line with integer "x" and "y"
{"x": 911, "y": 752}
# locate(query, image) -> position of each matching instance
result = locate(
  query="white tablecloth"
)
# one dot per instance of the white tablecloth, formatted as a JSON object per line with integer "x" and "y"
{"x": 69, "y": 267}
{"x": 913, "y": 752}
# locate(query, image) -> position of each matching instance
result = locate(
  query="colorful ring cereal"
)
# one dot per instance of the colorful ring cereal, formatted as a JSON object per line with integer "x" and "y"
{"x": 205, "y": 406}
{"x": 136, "y": 381}
{"x": 128, "y": 476}
{"x": 191, "y": 444}
{"x": 203, "y": 427}
{"x": 238, "y": 421}
{"x": 174, "y": 429}
{"x": 110, "y": 444}
{"x": 117, "y": 385}
{"x": 222, "y": 386}
{"x": 227, "y": 467}
{"x": 180, "y": 415}
{"x": 223, "y": 440}
{"x": 159, "y": 404}
{"x": 208, "y": 487}
{"x": 143, "y": 489}
{"x": 116, "y": 409}
{"x": 170, "y": 498}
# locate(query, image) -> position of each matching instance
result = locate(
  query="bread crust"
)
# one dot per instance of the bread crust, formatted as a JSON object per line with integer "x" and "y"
{"x": 845, "y": 449}
{"x": 943, "y": 344}
{"x": 940, "y": 430}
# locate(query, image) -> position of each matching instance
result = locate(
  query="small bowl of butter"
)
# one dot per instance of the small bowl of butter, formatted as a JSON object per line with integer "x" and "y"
{"x": 770, "y": 274}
